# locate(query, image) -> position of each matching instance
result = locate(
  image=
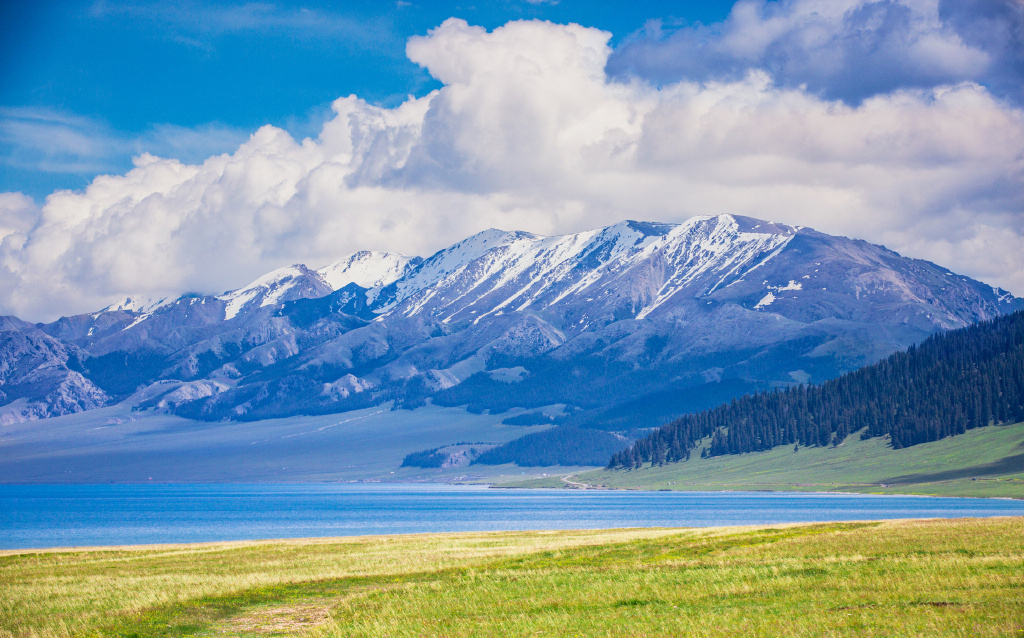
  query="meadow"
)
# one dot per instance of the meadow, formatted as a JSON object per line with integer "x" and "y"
{"x": 984, "y": 462}
{"x": 962, "y": 577}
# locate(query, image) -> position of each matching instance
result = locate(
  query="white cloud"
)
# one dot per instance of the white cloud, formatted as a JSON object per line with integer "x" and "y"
{"x": 846, "y": 49}
{"x": 529, "y": 133}
{"x": 18, "y": 214}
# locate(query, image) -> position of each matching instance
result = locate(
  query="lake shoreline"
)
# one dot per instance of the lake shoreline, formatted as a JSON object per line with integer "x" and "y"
{"x": 313, "y": 540}
{"x": 515, "y": 486}
{"x": 703, "y": 489}
{"x": 42, "y": 516}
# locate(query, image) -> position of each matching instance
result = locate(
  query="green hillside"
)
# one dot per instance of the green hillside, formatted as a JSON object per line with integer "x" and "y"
{"x": 950, "y": 384}
{"x": 982, "y": 462}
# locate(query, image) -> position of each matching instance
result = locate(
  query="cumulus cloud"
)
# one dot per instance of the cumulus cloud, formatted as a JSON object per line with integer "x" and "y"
{"x": 18, "y": 214}
{"x": 841, "y": 49}
{"x": 997, "y": 28}
{"x": 530, "y": 133}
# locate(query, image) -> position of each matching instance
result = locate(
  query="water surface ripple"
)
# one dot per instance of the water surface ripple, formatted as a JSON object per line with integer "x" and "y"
{"x": 38, "y": 516}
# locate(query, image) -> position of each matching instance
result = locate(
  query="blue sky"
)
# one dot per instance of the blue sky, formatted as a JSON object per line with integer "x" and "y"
{"x": 130, "y": 76}
{"x": 156, "y": 148}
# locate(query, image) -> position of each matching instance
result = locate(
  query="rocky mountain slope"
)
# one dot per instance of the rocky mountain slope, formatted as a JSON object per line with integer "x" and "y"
{"x": 625, "y": 325}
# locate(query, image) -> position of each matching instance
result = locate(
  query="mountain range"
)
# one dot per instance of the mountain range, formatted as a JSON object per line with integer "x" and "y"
{"x": 619, "y": 328}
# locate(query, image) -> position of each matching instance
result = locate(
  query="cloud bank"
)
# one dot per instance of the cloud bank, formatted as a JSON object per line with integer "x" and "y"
{"x": 531, "y": 132}
{"x": 842, "y": 49}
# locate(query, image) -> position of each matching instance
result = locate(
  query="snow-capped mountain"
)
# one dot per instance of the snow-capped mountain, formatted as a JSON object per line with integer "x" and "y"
{"x": 276, "y": 287}
{"x": 142, "y": 304}
{"x": 629, "y": 267}
{"x": 666, "y": 316}
{"x": 368, "y": 269}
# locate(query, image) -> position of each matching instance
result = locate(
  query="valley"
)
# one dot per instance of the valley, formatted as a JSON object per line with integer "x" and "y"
{"x": 115, "y": 444}
{"x": 505, "y": 356}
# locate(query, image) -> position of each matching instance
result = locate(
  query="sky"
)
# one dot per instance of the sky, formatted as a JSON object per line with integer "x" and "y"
{"x": 162, "y": 148}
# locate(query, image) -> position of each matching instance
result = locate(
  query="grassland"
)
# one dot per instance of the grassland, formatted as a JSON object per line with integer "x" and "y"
{"x": 983, "y": 462}
{"x": 908, "y": 578}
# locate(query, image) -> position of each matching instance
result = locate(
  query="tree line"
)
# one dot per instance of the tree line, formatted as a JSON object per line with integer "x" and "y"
{"x": 561, "y": 445}
{"x": 950, "y": 383}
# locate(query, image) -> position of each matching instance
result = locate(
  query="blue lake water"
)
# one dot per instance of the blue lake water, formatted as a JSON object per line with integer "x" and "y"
{"x": 34, "y": 516}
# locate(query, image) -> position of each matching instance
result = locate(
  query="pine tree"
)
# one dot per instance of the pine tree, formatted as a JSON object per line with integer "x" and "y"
{"x": 950, "y": 383}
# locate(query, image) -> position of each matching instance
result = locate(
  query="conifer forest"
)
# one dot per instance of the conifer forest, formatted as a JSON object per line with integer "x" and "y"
{"x": 950, "y": 383}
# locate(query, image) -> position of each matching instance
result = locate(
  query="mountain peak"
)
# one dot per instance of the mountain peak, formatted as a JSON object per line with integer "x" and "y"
{"x": 715, "y": 297}
{"x": 284, "y": 284}
{"x": 493, "y": 237}
{"x": 140, "y": 304}
{"x": 752, "y": 225}
{"x": 368, "y": 269}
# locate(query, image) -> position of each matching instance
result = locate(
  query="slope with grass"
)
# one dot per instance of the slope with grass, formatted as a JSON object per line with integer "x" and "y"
{"x": 982, "y": 462}
{"x": 953, "y": 382}
{"x": 909, "y": 578}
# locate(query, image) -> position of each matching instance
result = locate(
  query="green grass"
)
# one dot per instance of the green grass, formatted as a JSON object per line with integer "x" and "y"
{"x": 983, "y": 462}
{"x": 895, "y": 578}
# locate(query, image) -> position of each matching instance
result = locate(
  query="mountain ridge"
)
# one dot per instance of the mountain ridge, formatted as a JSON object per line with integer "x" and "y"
{"x": 634, "y": 308}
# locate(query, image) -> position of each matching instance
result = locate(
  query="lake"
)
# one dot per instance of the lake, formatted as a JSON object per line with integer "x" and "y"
{"x": 39, "y": 516}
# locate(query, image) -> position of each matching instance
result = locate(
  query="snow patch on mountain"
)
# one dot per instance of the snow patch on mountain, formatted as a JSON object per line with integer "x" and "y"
{"x": 455, "y": 374}
{"x": 706, "y": 253}
{"x": 792, "y": 285}
{"x": 767, "y": 300}
{"x": 137, "y": 321}
{"x": 143, "y": 304}
{"x": 284, "y": 284}
{"x": 346, "y": 386}
{"x": 1002, "y": 296}
{"x": 547, "y": 261}
{"x": 368, "y": 269}
{"x": 446, "y": 265}
{"x": 192, "y": 391}
{"x": 496, "y": 272}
